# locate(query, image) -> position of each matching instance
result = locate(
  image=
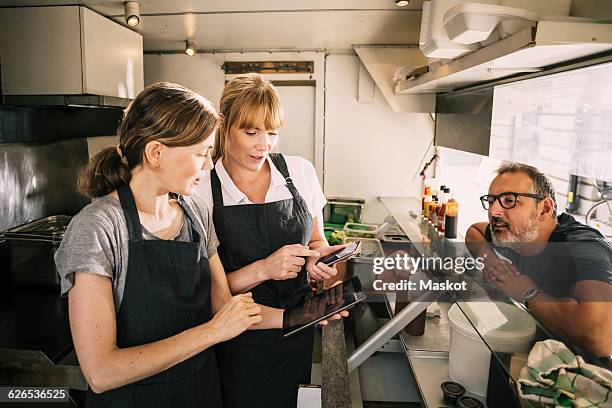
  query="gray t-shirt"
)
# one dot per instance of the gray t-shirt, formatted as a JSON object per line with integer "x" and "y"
{"x": 97, "y": 241}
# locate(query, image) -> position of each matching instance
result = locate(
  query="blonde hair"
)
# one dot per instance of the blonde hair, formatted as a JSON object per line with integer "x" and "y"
{"x": 169, "y": 113}
{"x": 246, "y": 100}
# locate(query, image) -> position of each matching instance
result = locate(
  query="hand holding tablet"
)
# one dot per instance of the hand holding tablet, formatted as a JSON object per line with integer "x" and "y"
{"x": 322, "y": 306}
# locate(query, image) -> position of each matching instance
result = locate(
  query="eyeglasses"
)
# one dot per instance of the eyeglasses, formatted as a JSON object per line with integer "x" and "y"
{"x": 506, "y": 200}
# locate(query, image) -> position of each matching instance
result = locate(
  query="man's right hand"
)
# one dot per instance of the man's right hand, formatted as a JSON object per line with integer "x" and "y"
{"x": 236, "y": 316}
{"x": 286, "y": 262}
{"x": 497, "y": 270}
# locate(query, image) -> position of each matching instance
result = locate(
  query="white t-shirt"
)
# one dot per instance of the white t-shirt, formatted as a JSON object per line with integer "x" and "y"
{"x": 302, "y": 173}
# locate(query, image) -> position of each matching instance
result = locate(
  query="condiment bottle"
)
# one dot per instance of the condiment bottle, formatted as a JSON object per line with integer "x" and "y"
{"x": 442, "y": 209}
{"x": 426, "y": 206}
{"x": 450, "y": 218}
{"x": 433, "y": 209}
{"x": 426, "y": 200}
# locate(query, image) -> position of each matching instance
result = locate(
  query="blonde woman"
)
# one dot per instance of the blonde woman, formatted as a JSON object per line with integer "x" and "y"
{"x": 148, "y": 297}
{"x": 267, "y": 211}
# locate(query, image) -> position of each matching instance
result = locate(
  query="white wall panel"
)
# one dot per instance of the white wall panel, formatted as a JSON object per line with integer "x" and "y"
{"x": 370, "y": 151}
{"x": 297, "y": 136}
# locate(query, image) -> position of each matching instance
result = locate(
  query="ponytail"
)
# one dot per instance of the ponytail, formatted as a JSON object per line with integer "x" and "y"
{"x": 104, "y": 173}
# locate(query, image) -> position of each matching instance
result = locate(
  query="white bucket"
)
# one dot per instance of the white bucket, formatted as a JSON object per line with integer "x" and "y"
{"x": 506, "y": 328}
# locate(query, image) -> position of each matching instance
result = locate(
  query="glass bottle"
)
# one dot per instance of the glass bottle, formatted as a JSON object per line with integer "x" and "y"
{"x": 450, "y": 219}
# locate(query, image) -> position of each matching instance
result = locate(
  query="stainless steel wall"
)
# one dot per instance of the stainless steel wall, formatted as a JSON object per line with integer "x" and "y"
{"x": 39, "y": 179}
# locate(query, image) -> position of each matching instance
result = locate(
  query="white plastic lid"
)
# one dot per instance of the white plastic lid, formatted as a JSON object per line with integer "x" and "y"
{"x": 436, "y": 48}
{"x": 498, "y": 322}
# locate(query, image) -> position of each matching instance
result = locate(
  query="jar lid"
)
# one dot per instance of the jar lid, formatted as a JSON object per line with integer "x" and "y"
{"x": 452, "y": 391}
{"x": 469, "y": 402}
{"x": 452, "y": 388}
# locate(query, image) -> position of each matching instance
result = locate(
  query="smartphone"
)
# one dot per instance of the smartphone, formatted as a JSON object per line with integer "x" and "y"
{"x": 342, "y": 254}
{"x": 322, "y": 306}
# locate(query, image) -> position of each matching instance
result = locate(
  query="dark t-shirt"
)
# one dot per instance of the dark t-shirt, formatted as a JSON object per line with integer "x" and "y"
{"x": 576, "y": 252}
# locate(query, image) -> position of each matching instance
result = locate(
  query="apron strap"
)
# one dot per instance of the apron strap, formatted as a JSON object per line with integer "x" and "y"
{"x": 126, "y": 198}
{"x": 195, "y": 228}
{"x": 215, "y": 185}
{"x": 281, "y": 165}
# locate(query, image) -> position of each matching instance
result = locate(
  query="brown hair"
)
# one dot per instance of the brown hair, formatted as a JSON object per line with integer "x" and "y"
{"x": 245, "y": 99}
{"x": 169, "y": 113}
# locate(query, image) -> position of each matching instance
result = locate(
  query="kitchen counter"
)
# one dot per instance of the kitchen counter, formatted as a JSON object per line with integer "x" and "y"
{"x": 424, "y": 354}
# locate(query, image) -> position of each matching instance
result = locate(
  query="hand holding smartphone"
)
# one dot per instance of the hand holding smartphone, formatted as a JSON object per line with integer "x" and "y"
{"x": 341, "y": 255}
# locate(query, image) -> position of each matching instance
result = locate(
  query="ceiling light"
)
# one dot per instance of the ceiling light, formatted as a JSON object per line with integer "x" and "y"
{"x": 190, "y": 47}
{"x": 132, "y": 13}
{"x": 402, "y": 3}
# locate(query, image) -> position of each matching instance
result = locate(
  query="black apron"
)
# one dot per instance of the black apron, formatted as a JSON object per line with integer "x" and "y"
{"x": 167, "y": 291}
{"x": 260, "y": 368}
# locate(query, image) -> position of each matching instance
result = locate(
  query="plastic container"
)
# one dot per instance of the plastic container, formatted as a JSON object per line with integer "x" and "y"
{"x": 470, "y": 23}
{"x": 340, "y": 210}
{"x": 434, "y": 41}
{"x": 334, "y": 233}
{"x": 353, "y": 229}
{"x": 361, "y": 265}
{"x": 370, "y": 248}
{"x": 507, "y": 329}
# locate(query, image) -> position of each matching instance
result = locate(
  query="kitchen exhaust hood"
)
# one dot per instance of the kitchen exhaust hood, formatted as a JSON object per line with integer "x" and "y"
{"x": 68, "y": 56}
{"x": 553, "y": 42}
{"x": 91, "y": 101}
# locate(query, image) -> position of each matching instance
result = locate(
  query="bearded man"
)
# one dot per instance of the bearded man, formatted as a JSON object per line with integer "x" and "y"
{"x": 559, "y": 268}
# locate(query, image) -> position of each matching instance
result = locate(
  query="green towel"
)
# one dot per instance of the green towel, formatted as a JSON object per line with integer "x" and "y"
{"x": 554, "y": 376}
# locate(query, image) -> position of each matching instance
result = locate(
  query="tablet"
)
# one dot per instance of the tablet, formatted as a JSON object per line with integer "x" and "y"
{"x": 322, "y": 306}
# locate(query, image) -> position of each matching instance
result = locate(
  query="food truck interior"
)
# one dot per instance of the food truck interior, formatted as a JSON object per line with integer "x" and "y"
{"x": 406, "y": 110}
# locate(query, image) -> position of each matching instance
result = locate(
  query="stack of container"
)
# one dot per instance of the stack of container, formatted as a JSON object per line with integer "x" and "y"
{"x": 433, "y": 40}
{"x": 471, "y": 23}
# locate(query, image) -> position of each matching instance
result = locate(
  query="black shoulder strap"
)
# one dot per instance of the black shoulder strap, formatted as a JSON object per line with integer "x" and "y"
{"x": 215, "y": 185}
{"x": 130, "y": 212}
{"x": 194, "y": 223}
{"x": 279, "y": 162}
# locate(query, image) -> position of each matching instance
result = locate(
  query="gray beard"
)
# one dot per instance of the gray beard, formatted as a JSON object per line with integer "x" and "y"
{"x": 518, "y": 238}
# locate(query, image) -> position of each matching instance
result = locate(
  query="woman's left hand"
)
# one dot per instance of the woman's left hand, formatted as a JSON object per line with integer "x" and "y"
{"x": 318, "y": 270}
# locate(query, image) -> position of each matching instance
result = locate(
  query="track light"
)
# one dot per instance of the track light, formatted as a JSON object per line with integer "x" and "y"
{"x": 132, "y": 13}
{"x": 402, "y": 3}
{"x": 190, "y": 47}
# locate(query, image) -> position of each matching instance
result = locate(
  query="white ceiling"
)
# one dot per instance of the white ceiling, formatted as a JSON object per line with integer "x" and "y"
{"x": 262, "y": 24}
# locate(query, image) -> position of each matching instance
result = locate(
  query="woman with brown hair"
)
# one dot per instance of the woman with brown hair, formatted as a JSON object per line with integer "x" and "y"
{"x": 267, "y": 211}
{"x": 148, "y": 297}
